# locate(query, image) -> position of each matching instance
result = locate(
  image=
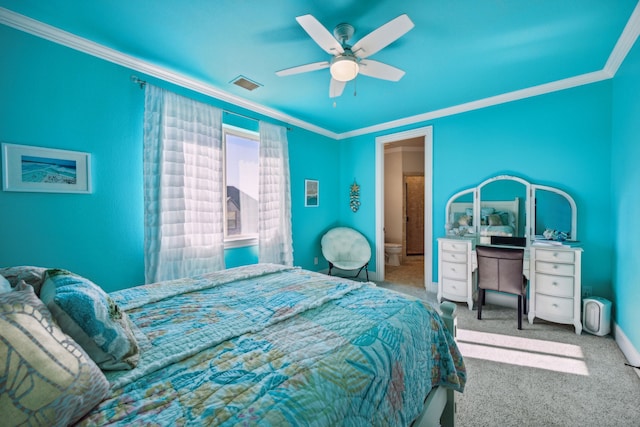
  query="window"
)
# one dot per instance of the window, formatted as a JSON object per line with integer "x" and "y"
{"x": 241, "y": 148}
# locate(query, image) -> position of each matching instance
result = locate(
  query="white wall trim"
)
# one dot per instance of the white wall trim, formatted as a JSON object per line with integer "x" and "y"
{"x": 581, "y": 80}
{"x": 625, "y": 43}
{"x": 627, "y": 348}
{"x": 64, "y": 38}
{"x": 427, "y": 134}
{"x": 56, "y": 35}
{"x": 404, "y": 150}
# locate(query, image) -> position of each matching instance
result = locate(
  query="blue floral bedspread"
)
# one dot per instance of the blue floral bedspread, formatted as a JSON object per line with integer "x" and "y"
{"x": 276, "y": 346}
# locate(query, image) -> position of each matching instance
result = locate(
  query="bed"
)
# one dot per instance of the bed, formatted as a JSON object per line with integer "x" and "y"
{"x": 497, "y": 218}
{"x": 254, "y": 345}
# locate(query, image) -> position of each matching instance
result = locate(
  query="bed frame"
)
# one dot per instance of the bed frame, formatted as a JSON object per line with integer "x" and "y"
{"x": 439, "y": 406}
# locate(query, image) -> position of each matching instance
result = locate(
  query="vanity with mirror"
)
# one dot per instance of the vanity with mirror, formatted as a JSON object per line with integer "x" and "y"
{"x": 508, "y": 210}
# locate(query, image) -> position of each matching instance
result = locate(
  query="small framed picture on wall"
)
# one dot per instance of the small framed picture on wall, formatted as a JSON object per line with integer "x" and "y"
{"x": 311, "y": 193}
{"x": 28, "y": 168}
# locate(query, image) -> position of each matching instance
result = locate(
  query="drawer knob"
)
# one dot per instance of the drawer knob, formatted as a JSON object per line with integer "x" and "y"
{"x": 555, "y": 267}
{"x": 555, "y": 305}
{"x": 555, "y": 283}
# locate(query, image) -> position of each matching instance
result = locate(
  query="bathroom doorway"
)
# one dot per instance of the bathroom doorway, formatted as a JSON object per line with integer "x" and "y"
{"x": 414, "y": 213}
{"x": 408, "y": 166}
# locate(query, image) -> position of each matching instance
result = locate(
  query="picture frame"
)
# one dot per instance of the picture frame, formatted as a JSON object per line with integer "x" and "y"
{"x": 39, "y": 169}
{"x": 311, "y": 193}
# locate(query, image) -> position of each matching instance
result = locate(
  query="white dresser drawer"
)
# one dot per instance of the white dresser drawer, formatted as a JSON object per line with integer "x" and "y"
{"x": 554, "y": 308}
{"x": 555, "y": 256}
{"x": 559, "y": 286}
{"x": 455, "y": 277}
{"x": 454, "y": 287}
{"x": 452, "y": 270}
{"x": 555, "y": 268}
{"x": 454, "y": 246}
{"x": 454, "y": 256}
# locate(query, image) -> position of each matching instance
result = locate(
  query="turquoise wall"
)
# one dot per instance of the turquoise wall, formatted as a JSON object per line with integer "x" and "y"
{"x": 560, "y": 139}
{"x": 626, "y": 196}
{"x": 56, "y": 97}
{"x": 313, "y": 157}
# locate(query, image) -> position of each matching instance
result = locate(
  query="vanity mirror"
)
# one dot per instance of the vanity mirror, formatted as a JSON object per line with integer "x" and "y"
{"x": 554, "y": 209}
{"x": 460, "y": 213}
{"x": 512, "y": 211}
{"x": 503, "y": 208}
{"x": 510, "y": 206}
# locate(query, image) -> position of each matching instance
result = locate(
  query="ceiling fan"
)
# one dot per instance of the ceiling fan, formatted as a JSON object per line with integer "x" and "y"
{"x": 349, "y": 61}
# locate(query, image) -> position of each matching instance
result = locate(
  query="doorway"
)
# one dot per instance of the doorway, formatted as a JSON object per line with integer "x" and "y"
{"x": 426, "y": 136}
{"x": 414, "y": 214}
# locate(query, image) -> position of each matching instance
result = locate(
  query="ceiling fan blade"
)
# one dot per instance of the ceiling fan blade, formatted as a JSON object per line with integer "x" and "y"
{"x": 380, "y": 70}
{"x": 336, "y": 88}
{"x": 320, "y": 34}
{"x": 382, "y": 36}
{"x": 303, "y": 68}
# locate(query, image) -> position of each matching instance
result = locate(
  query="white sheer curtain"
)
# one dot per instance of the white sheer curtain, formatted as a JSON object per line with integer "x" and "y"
{"x": 274, "y": 223}
{"x": 183, "y": 194}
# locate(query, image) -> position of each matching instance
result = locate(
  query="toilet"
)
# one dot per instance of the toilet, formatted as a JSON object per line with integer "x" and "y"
{"x": 392, "y": 253}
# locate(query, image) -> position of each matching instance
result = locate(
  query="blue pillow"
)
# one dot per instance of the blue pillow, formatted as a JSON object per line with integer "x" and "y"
{"x": 486, "y": 211}
{"x": 86, "y": 313}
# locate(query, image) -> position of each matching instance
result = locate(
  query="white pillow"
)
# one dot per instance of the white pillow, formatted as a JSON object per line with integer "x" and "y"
{"x": 5, "y": 286}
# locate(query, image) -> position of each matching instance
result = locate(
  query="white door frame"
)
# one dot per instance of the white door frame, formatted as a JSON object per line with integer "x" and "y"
{"x": 427, "y": 133}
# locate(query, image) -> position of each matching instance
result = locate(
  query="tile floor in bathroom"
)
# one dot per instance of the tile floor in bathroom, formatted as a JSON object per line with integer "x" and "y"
{"x": 410, "y": 271}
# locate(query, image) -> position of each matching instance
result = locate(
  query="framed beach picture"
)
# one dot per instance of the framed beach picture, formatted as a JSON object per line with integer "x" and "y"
{"x": 28, "y": 168}
{"x": 311, "y": 193}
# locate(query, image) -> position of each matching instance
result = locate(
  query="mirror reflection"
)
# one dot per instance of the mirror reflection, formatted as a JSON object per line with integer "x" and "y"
{"x": 552, "y": 211}
{"x": 460, "y": 214}
{"x": 500, "y": 206}
{"x": 502, "y": 209}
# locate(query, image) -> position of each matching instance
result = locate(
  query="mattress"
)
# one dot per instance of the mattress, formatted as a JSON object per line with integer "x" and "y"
{"x": 273, "y": 345}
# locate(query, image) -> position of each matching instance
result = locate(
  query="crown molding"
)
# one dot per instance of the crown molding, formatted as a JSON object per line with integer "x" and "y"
{"x": 64, "y": 38}
{"x": 56, "y": 35}
{"x": 483, "y": 103}
{"x": 625, "y": 43}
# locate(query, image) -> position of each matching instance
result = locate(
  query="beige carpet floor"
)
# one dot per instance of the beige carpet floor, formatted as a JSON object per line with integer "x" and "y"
{"x": 410, "y": 272}
{"x": 544, "y": 375}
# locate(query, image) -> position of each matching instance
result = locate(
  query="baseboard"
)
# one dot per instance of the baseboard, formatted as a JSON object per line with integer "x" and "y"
{"x": 627, "y": 348}
{"x": 432, "y": 287}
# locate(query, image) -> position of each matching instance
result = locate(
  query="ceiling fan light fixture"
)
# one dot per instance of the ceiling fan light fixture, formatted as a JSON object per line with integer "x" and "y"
{"x": 344, "y": 68}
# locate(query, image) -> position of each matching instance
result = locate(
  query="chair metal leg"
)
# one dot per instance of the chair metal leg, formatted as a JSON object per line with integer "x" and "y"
{"x": 520, "y": 312}
{"x": 330, "y": 267}
{"x": 480, "y": 299}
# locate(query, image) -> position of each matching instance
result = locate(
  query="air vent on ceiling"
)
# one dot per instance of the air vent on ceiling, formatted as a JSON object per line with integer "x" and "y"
{"x": 245, "y": 83}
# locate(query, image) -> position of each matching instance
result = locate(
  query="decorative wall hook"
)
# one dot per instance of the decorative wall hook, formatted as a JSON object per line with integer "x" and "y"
{"x": 355, "y": 196}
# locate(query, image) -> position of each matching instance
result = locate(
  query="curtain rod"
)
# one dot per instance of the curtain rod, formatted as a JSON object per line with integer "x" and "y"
{"x": 143, "y": 83}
